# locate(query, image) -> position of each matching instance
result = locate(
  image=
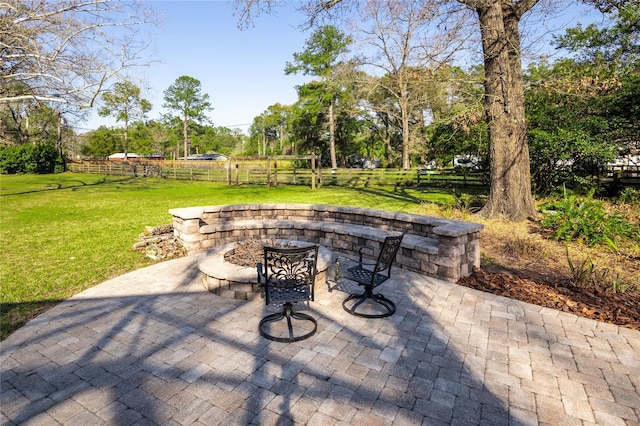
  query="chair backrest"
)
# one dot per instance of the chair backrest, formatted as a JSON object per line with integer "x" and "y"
{"x": 388, "y": 254}
{"x": 290, "y": 268}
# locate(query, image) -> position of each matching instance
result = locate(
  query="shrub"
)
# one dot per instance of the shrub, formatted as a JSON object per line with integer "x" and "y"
{"x": 629, "y": 196}
{"x": 568, "y": 158}
{"x": 39, "y": 158}
{"x": 583, "y": 218}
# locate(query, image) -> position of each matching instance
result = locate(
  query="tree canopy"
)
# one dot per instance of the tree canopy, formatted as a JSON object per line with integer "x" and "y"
{"x": 321, "y": 58}
{"x": 125, "y": 103}
{"x": 185, "y": 97}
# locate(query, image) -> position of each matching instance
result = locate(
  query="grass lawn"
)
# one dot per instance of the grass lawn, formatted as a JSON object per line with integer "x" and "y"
{"x": 63, "y": 233}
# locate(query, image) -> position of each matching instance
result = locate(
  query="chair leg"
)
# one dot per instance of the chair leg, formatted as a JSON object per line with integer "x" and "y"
{"x": 388, "y": 305}
{"x": 287, "y": 313}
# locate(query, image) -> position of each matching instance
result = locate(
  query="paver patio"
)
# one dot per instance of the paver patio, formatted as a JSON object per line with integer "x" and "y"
{"x": 154, "y": 347}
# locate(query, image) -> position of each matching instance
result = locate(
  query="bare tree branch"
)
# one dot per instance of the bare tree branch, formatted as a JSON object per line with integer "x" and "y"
{"x": 63, "y": 51}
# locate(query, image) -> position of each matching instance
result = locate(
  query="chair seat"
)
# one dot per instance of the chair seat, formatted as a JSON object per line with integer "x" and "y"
{"x": 360, "y": 304}
{"x": 363, "y": 276}
{"x": 288, "y": 294}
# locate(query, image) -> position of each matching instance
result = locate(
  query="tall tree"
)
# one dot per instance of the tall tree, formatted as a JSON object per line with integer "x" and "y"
{"x": 400, "y": 39}
{"x": 64, "y": 51}
{"x": 617, "y": 44}
{"x": 125, "y": 104}
{"x": 185, "y": 97}
{"x": 510, "y": 177}
{"x": 321, "y": 58}
{"x": 276, "y": 121}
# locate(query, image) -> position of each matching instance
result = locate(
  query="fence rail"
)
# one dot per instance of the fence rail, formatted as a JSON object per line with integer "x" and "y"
{"x": 299, "y": 171}
{"x": 275, "y": 171}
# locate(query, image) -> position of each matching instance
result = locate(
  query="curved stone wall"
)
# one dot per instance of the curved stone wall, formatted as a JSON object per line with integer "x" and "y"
{"x": 442, "y": 248}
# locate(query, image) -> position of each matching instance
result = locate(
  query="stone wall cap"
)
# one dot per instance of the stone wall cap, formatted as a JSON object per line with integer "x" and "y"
{"x": 188, "y": 212}
{"x": 457, "y": 229}
{"x": 423, "y": 244}
{"x": 212, "y": 209}
{"x": 406, "y": 217}
{"x": 305, "y": 207}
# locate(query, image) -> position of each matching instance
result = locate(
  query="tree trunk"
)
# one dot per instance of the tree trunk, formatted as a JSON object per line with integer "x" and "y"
{"x": 332, "y": 136}
{"x": 406, "y": 163}
{"x": 185, "y": 126}
{"x": 126, "y": 139}
{"x": 510, "y": 177}
{"x": 59, "y": 143}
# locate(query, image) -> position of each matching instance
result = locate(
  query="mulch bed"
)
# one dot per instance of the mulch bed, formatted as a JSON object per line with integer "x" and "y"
{"x": 622, "y": 309}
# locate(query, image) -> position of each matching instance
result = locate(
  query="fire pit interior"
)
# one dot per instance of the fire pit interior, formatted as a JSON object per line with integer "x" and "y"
{"x": 250, "y": 253}
{"x": 230, "y": 270}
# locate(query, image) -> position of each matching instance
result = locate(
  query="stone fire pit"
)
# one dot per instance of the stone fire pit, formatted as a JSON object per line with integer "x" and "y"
{"x": 241, "y": 282}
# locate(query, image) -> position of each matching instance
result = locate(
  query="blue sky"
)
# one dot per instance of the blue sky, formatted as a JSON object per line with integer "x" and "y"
{"x": 241, "y": 70}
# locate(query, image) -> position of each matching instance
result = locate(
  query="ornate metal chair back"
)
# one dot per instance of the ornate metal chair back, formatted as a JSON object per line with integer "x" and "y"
{"x": 290, "y": 273}
{"x": 387, "y": 255}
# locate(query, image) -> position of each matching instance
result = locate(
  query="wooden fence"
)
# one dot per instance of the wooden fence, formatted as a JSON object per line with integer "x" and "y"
{"x": 273, "y": 171}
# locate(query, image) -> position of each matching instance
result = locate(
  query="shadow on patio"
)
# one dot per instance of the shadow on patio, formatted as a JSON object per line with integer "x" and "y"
{"x": 153, "y": 346}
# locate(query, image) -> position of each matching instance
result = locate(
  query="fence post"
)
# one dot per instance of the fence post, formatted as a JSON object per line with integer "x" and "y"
{"x": 275, "y": 172}
{"x": 313, "y": 172}
{"x": 268, "y": 171}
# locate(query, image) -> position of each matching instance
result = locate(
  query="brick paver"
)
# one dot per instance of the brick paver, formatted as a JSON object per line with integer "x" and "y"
{"x": 153, "y": 347}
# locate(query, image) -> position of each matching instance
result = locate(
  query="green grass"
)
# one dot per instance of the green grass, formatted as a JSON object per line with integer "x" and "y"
{"x": 63, "y": 233}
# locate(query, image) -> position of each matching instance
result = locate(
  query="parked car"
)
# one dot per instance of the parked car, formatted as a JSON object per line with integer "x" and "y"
{"x": 466, "y": 161}
{"x": 209, "y": 157}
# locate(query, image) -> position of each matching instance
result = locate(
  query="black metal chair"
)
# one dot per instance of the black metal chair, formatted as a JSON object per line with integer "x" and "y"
{"x": 288, "y": 279}
{"x": 370, "y": 276}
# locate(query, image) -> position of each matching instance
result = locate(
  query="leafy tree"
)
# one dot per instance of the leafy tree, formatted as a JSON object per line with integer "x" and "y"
{"x": 160, "y": 135}
{"x": 141, "y": 139}
{"x": 569, "y": 136}
{"x": 38, "y": 158}
{"x": 616, "y": 45}
{"x": 465, "y": 134}
{"x": 125, "y": 104}
{"x": 101, "y": 143}
{"x": 277, "y": 123}
{"x": 208, "y": 139}
{"x": 381, "y": 118}
{"x": 606, "y": 66}
{"x": 399, "y": 36}
{"x": 257, "y": 138}
{"x": 321, "y": 59}
{"x": 582, "y": 109}
{"x": 272, "y": 128}
{"x": 308, "y": 118}
{"x": 226, "y": 141}
{"x": 185, "y": 97}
